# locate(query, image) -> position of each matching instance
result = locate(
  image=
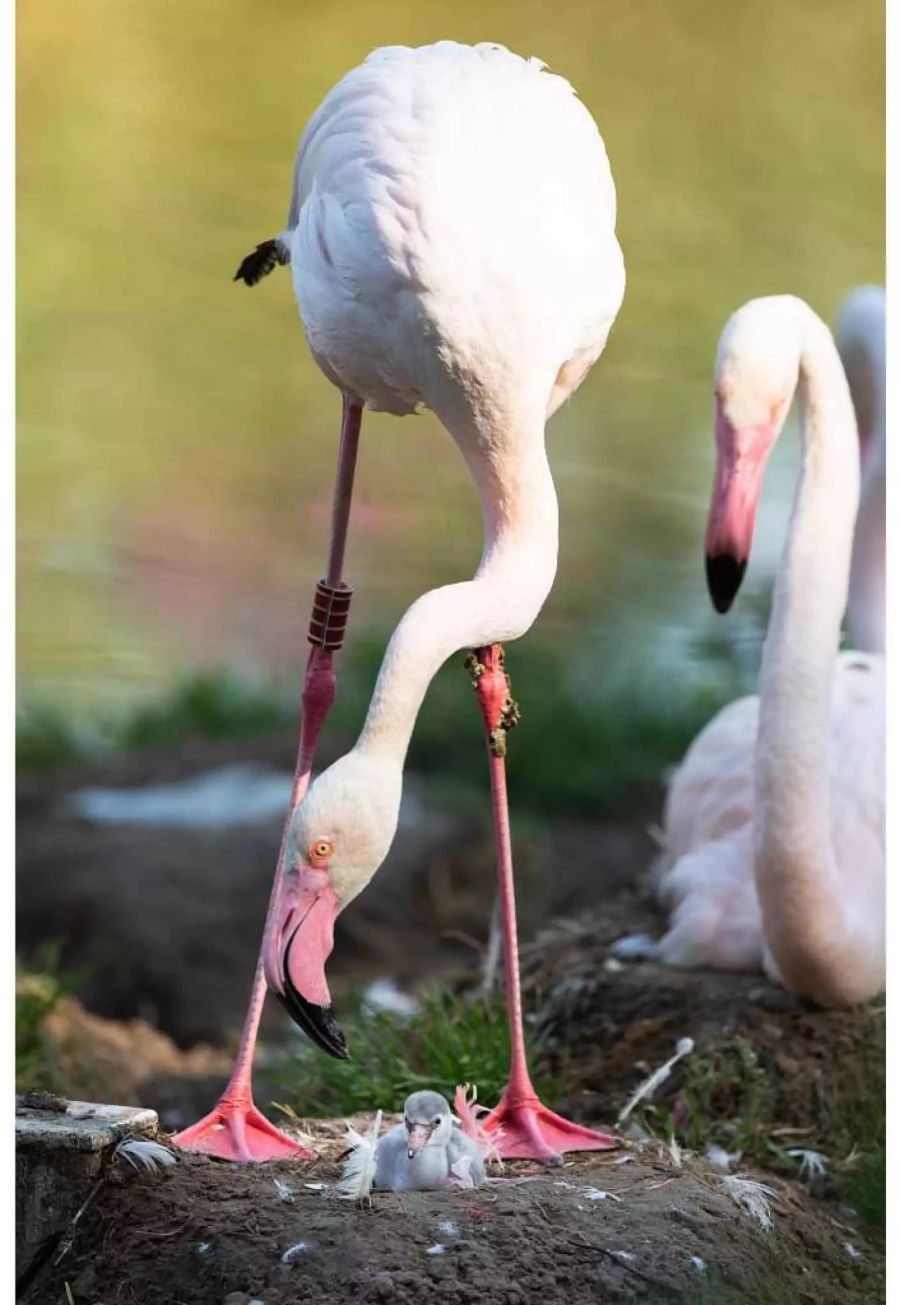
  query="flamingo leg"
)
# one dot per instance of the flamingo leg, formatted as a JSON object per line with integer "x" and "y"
{"x": 525, "y": 1128}
{"x": 235, "y": 1129}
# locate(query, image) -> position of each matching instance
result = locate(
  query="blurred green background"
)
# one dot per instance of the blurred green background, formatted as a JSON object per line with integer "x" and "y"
{"x": 176, "y": 441}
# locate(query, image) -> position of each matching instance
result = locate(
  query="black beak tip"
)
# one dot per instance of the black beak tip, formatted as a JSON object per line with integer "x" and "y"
{"x": 724, "y": 573}
{"x": 317, "y": 1022}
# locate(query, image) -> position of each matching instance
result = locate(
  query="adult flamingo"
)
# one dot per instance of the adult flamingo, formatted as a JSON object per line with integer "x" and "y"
{"x": 774, "y": 823}
{"x": 451, "y": 237}
{"x": 860, "y": 337}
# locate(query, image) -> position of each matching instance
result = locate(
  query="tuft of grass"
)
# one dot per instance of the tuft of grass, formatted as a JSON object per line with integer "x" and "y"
{"x": 450, "y": 1040}
{"x": 211, "y": 703}
{"x": 37, "y": 992}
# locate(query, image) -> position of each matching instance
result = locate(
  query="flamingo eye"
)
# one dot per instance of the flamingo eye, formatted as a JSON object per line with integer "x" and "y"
{"x": 322, "y": 849}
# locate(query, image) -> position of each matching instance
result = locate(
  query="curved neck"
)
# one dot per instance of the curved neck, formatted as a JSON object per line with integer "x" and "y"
{"x": 514, "y": 577}
{"x": 794, "y": 861}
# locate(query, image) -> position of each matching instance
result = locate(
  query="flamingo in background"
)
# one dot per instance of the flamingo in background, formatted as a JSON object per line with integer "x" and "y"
{"x": 860, "y": 335}
{"x": 774, "y": 823}
{"x": 451, "y": 238}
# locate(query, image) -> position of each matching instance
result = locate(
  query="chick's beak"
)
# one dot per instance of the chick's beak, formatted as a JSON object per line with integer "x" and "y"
{"x": 298, "y": 942}
{"x": 418, "y": 1136}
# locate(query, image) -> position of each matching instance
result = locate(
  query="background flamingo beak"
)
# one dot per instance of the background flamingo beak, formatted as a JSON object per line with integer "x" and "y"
{"x": 299, "y": 943}
{"x": 740, "y": 466}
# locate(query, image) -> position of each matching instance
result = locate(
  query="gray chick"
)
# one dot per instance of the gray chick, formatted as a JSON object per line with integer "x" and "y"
{"x": 418, "y": 1154}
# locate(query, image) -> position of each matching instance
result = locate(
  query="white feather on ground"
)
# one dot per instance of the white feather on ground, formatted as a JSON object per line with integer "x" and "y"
{"x": 683, "y": 1047}
{"x": 143, "y": 1155}
{"x": 359, "y": 1168}
{"x": 751, "y": 1196}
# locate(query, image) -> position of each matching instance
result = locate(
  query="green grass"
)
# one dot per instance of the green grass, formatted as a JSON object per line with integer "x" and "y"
{"x": 38, "y": 990}
{"x": 212, "y": 703}
{"x": 449, "y": 1041}
{"x": 729, "y": 1096}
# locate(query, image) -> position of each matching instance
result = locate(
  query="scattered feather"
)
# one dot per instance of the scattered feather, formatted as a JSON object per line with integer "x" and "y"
{"x": 143, "y": 1155}
{"x": 719, "y": 1158}
{"x": 284, "y": 1191}
{"x": 624, "y": 1255}
{"x": 751, "y": 1196}
{"x": 852, "y": 1251}
{"x": 316, "y": 1187}
{"x": 436, "y": 1249}
{"x": 204, "y": 1248}
{"x": 448, "y": 1228}
{"x": 624, "y": 1160}
{"x": 699, "y": 1265}
{"x": 468, "y": 1111}
{"x": 675, "y": 1152}
{"x": 813, "y": 1164}
{"x": 294, "y": 1252}
{"x": 359, "y": 1168}
{"x": 683, "y": 1047}
{"x": 597, "y": 1194}
{"x": 460, "y": 1172}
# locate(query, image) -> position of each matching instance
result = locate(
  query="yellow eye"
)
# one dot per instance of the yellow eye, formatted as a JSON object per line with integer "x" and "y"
{"x": 322, "y": 849}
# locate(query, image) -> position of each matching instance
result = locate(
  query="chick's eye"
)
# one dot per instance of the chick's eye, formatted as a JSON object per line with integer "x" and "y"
{"x": 322, "y": 849}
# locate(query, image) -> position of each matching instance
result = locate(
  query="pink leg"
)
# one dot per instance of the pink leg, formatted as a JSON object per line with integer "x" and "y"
{"x": 235, "y": 1129}
{"x": 526, "y": 1129}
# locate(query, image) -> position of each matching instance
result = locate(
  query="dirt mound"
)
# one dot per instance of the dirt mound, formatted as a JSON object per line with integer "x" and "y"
{"x": 767, "y": 1064}
{"x": 208, "y": 1233}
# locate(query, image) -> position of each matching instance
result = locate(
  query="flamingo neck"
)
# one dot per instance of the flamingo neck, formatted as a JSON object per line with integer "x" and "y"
{"x": 794, "y": 864}
{"x": 862, "y": 345}
{"x": 514, "y": 577}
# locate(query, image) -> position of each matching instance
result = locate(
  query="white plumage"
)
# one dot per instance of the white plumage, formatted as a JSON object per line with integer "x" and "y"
{"x": 860, "y": 335}
{"x": 451, "y": 233}
{"x": 452, "y": 243}
{"x": 774, "y": 822}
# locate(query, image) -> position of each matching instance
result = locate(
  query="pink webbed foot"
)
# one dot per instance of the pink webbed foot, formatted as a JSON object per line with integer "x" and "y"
{"x": 527, "y": 1130}
{"x": 235, "y": 1130}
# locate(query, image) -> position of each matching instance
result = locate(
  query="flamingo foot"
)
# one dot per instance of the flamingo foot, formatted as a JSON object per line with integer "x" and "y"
{"x": 527, "y": 1130}
{"x": 235, "y": 1130}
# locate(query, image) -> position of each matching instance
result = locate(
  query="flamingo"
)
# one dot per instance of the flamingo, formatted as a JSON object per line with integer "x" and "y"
{"x": 774, "y": 823}
{"x": 451, "y": 240}
{"x": 860, "y": 340}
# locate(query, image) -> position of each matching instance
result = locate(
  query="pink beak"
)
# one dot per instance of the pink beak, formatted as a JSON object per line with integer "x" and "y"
{"x": 741, "y": 457}
{"x": 298, "y": 942}
{"x": 417, "y": 1137}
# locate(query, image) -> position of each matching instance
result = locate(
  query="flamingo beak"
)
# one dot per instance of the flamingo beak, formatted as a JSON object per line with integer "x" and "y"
{"x": 741, "y": 457}
{"x": 298, "y": 943}
{"x": 419, "y": 1136}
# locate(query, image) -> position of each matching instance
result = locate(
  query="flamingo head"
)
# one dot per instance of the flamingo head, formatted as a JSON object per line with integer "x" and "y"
{"x": 756, "y": 375}
{"x": 339, "y": 836}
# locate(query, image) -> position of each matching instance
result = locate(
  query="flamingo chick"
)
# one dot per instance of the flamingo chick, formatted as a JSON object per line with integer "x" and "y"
{"x": 774, "y": 824}
{"x": 428, "y": 1149}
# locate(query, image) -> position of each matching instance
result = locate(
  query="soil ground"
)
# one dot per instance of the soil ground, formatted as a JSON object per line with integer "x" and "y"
{"x": 175, "y": 980}
{"x": 209, "y": 1233}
